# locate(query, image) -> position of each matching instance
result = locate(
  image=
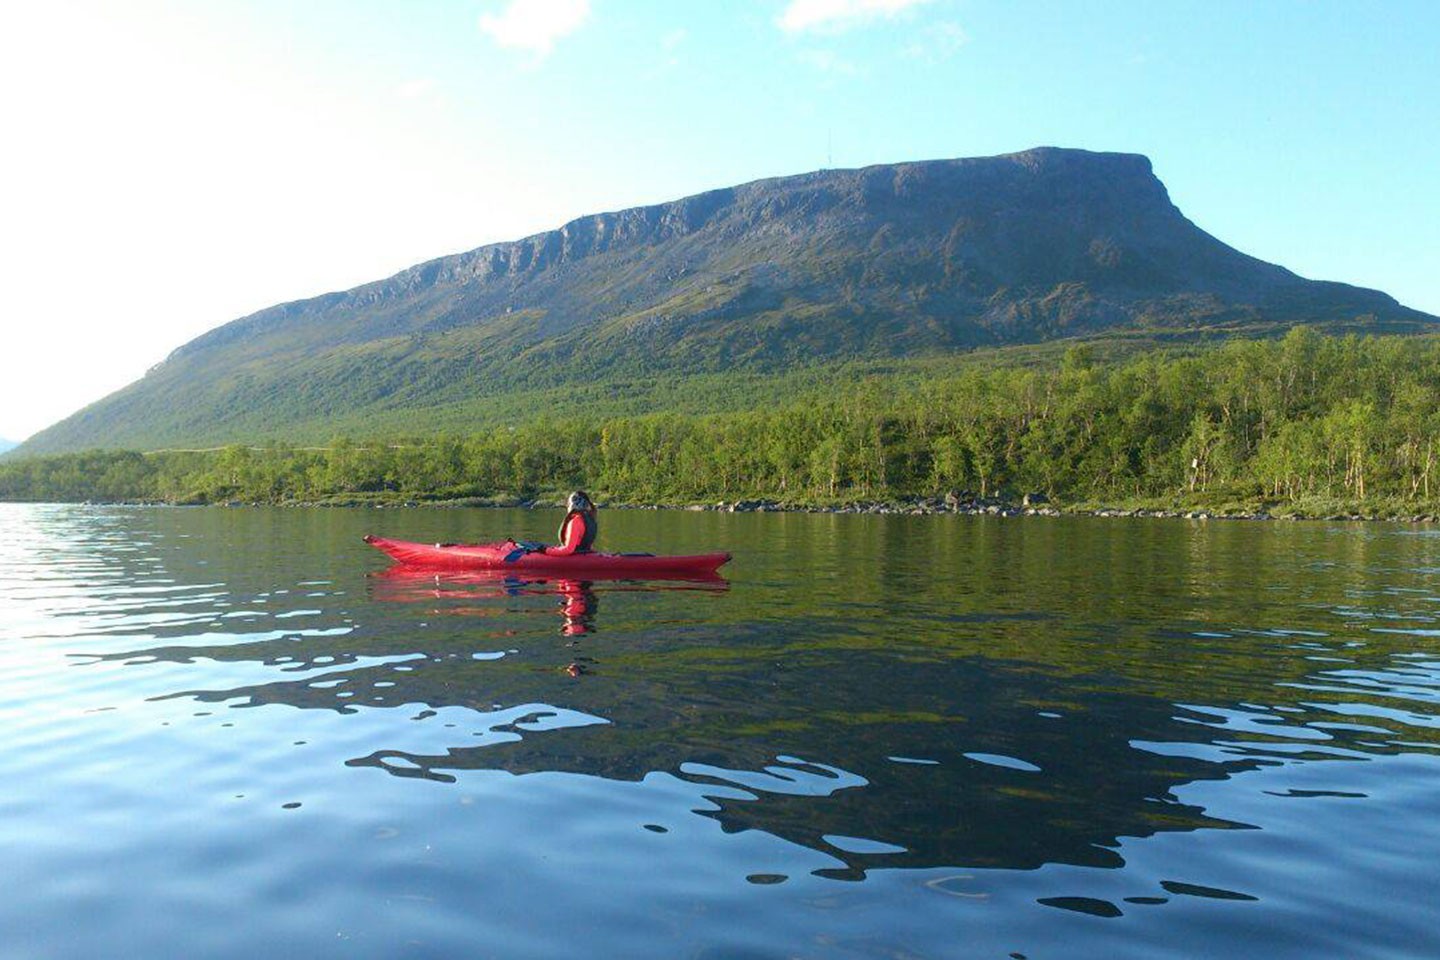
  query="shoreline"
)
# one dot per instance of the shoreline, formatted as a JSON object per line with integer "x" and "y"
{"x": 1030, "y": 506}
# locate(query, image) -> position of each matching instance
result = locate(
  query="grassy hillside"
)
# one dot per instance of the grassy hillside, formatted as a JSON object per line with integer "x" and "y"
{"x": 367, "y": 393}
{"x": 1304, "y": 423}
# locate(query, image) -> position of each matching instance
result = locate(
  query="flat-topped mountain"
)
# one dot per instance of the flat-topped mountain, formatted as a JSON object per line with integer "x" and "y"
{"x": 892, "y": 260}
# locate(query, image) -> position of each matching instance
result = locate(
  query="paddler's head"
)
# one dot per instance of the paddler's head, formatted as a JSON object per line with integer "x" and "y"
{"x": 579, "y": 500}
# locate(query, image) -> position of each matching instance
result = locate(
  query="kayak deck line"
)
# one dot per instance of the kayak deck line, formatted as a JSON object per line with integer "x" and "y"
{"x": 503, "y": 555}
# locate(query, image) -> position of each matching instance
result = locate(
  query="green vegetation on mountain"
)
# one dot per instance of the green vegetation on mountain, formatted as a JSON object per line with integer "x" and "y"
{"x": 718, "y": 301}
{"x": 1305, "y": 422}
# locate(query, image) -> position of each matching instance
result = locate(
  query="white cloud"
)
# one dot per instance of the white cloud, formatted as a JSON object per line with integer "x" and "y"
{"x": 535, "y": 25}
{"x": 838, "y": 14}
{"x": 939, "y": 42}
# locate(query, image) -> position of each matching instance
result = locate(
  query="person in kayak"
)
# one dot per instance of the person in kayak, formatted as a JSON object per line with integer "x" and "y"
{"x": 579, "y": 528}
{"x": 577, "y": 532}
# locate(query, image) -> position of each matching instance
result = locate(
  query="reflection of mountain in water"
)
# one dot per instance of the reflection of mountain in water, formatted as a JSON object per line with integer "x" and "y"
{"x": 1052, "y": 701}
{"x": 927, "y": 757}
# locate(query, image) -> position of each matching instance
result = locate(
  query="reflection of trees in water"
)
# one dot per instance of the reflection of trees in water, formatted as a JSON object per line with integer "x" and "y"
{"x": 838, "y": 778}
{"x": 843, "y": 711}
{"x": 721, "y": 721}
{"x": 896, "y": 733}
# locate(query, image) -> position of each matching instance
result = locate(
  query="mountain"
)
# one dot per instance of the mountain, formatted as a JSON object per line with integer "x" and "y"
{"x": 887, "y": 261}
{"x": 7, "y": 445}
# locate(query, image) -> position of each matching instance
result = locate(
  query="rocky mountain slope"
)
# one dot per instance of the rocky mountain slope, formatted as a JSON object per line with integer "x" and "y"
{"x": 894, "y": 260}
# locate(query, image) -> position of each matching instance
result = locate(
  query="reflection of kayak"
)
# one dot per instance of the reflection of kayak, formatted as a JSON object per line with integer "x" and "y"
{"x": 407, "y": 584}
{"x": 505, "y": 556}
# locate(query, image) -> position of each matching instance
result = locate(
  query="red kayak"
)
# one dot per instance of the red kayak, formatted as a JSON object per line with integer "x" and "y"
{"x": 507, "y": 555}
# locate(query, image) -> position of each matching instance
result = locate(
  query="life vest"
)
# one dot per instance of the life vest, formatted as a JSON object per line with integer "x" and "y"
{"x": 591, "y": 529}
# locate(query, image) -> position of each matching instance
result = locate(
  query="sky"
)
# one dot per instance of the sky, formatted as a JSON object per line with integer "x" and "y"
{"x": 168, "y": 166}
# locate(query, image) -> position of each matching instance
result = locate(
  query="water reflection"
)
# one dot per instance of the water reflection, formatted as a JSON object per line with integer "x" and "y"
{"x": 471, "y": 592}
{"x": 953, "y": 697}
{"x": 932, "y": 759}
{"x": 474, "y": 593}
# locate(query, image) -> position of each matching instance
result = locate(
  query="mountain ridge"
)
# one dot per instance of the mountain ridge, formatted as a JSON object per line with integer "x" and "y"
{"x": 890, "y": 260}
{"x": 602, "y": 232}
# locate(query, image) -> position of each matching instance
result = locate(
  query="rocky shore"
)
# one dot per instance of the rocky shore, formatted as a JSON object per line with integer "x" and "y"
{"x": 1035, "y": 505}
{"x": 1032, "y": 505}
{"x": 958, "y": 504}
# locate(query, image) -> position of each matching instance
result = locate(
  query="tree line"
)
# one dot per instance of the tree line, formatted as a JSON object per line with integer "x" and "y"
{"x": 1306, "y": 417}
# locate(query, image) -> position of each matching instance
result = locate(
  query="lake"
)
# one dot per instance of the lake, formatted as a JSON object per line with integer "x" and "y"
{"x": 229, "y": 735}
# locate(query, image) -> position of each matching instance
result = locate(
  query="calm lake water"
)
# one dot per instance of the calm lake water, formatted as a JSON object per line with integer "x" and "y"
{"x": 227, "y": 736}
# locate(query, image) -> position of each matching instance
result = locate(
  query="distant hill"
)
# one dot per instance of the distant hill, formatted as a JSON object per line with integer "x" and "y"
{"x": 7, "y": 445}
{"x": 898, "y": 260}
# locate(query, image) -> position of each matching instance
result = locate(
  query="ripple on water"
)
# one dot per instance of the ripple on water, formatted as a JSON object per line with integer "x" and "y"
{"x": 1113, "y": 739}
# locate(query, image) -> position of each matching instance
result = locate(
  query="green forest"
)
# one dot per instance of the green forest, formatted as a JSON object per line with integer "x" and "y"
{"x": 1305, "y": 423}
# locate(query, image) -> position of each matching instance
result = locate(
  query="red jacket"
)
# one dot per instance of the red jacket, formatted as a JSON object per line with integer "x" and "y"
{"x": 577, "y": 534}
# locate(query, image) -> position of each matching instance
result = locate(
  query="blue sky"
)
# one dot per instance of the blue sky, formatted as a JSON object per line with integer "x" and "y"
{"x": 175, "y": 165}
